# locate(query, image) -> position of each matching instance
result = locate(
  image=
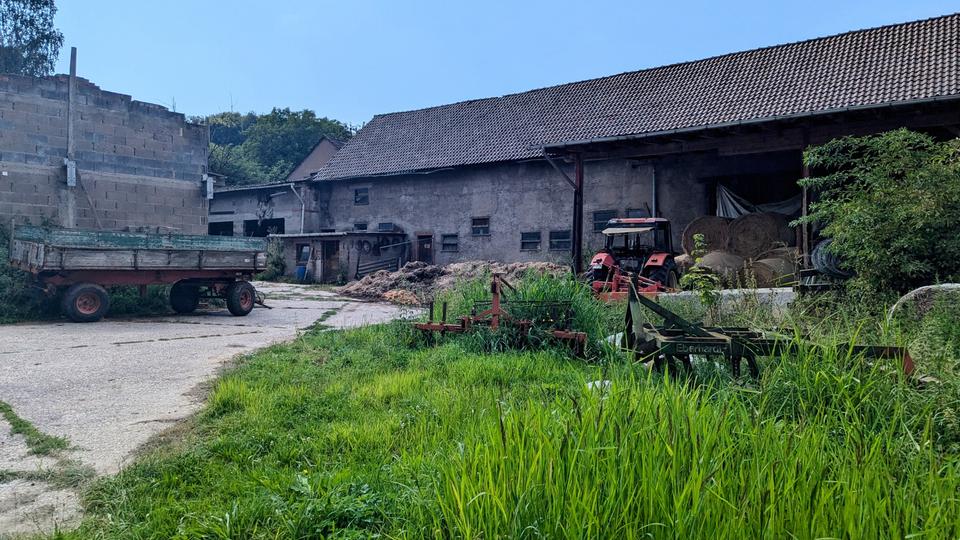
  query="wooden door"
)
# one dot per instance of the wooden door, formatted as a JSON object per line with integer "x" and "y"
{"x": 425, "y": 248}
{"x": 330, "y": 253}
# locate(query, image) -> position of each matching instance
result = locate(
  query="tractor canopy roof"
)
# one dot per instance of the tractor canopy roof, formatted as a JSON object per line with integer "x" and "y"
{"x": 634, "y": 225}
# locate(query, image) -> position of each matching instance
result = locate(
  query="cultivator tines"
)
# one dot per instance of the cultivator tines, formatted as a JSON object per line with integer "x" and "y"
{"x": 678, "y": 340}
{"x": 557, "y": 316}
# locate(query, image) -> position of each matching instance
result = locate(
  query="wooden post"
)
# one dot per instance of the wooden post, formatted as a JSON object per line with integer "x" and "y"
{"x": 805, "y": 228}
{"x": 577, "y": 232}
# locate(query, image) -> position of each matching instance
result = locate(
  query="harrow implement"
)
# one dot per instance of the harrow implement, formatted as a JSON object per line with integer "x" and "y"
{"x": 678, "y": 340}
{"x": 557, "y": 316}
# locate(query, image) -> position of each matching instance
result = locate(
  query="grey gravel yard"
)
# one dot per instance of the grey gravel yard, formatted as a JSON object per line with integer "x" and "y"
{"x": 108, "y": 387}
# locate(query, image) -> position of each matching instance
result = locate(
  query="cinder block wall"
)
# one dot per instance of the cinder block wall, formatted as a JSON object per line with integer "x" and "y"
{"x": 139, "y": 165}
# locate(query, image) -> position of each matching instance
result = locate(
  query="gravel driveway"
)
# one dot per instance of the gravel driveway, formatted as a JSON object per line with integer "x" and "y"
{"x": 108, "y": 387}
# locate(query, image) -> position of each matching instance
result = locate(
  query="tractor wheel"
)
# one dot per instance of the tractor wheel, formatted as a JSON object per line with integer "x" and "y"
{"x": 240, "y": 298}
{"x": 85, "y": 302}
{"x": 667, "y": 278}
{"x": 184, "y": 297}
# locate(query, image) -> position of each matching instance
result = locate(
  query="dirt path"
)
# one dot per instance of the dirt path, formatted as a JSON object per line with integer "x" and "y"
{"x": 109, "y": 387}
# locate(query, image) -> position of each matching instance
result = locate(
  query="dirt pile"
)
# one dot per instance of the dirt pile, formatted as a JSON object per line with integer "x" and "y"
{"x": 423, "y": 281}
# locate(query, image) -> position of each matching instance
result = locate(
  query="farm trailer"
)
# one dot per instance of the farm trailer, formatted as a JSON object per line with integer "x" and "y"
{"x": 79, "y": 264}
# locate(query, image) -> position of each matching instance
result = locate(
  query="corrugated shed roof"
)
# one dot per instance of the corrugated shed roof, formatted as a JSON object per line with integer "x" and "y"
{"x": 898, "y": 63}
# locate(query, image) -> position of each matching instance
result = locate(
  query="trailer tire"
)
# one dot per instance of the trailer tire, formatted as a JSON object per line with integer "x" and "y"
{"x": 240, "y": 298}
{"x": 85, "y": 302}
{"x": 184, "y": 297}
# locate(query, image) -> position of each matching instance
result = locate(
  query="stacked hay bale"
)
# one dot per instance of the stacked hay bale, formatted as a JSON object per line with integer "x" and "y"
{"x": 715, "y": 231}
{"x": 753, "y": 249}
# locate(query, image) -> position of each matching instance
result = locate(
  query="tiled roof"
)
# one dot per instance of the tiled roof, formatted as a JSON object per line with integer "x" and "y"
{"x": 898, "y": 63}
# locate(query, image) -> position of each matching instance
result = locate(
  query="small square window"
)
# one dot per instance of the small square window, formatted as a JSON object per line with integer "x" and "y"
{"x": 361, "y": 196}
{"x": 449, "y": 242}
{"x": 530, "y": 241}
{"x": 480, "y": 226}
{"x": 637, "y": 213}
{"x": 359, "y": 226}
{"x": 560, "y": 240}
{"x": 386, "y": 226}
{"x": 600, "y": 219}
{"x": 303, "y": 253}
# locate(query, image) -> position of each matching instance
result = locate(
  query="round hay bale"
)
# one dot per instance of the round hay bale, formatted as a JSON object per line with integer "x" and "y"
{"x": 729, "y": 266}
{"x": 773, "y": 271}
{"x": 758, "y": 232}
{"x": 715, "y": 231}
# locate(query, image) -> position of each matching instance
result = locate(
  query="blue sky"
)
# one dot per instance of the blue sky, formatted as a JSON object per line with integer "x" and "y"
{"x": 354, "y": 58}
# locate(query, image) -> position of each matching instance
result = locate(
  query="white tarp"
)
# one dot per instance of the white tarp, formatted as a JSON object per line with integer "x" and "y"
{"x": 626, "y": 230}
{"x": 731, "y": 205}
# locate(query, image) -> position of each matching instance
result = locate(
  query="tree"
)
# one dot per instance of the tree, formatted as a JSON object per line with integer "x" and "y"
{"x": 891, "y": 204}
{"x": 29, "y": 43}
{"x": 251, "y": 149}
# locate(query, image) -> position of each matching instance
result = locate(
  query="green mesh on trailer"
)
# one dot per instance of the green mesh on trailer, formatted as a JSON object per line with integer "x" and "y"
{"x": 74, "y": 238}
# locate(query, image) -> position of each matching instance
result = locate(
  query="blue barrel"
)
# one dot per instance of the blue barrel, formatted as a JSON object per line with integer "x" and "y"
{"x": 301, "y": 273}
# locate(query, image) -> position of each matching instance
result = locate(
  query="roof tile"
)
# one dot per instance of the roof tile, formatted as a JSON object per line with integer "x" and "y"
{"x": 903, "y": 62}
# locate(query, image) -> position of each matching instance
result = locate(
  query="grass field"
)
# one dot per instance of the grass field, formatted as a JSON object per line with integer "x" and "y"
{"x": 374, "y": 432}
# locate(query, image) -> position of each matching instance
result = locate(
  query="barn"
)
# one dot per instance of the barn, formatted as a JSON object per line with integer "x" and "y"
{"x": 536, "y": 175}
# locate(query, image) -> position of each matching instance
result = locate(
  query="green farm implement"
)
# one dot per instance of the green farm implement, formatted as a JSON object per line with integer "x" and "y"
{"x": 678, "y": 341}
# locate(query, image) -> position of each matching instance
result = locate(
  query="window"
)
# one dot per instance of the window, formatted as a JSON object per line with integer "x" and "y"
{"x": 359, "y": 226}
{"x": 637, "y": 213}
{"x": 220, "y": 228}
{"x": 560, "y": 240}
{"x": 530, "y": 241}
{"x": 263, "y": 227}
{"x": 600, "y": 219}
{"x": 449, "y": 242}
{"x": 361, "y": 196}
{"x": 385, "y": 227}
{"x": 303, "y": 253}
{"x": 480, "y": 226}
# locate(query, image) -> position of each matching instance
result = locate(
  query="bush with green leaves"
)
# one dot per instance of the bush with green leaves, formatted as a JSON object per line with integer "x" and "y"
{"x": 891, "y": 204}
{"x": 276, "y": 263}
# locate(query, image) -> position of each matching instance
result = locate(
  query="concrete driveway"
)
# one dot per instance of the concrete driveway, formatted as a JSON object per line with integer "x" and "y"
{"x": 108, "y": 387}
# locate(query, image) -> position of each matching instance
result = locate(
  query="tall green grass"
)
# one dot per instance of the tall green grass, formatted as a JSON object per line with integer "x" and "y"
{"x": 372, "y": 432}
{"x": 597, "y": 319}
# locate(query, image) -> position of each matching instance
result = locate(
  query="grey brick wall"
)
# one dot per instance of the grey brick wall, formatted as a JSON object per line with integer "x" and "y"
{"x": 139, "y": 165}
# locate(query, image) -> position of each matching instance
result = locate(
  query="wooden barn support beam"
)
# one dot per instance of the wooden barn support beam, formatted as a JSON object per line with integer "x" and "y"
{"x": 577, "y": 232}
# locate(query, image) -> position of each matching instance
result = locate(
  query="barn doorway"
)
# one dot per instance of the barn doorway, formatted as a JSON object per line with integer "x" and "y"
{"x": 330, "y": 255}
{"x": 425, "y": 248}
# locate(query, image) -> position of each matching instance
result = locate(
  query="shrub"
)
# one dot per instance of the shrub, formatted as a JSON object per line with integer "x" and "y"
{"x": 276, "y": 264}
{"x": 891, "y": 204}
{"x": 18, "y": 300}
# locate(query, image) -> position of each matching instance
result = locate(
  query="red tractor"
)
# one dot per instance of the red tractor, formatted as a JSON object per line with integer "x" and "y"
{"x": 638, "y": 250}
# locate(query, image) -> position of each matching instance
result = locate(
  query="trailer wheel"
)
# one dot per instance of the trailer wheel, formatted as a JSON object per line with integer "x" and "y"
{"x": 240, "y": 298}
{"x": 184, "y": 298}
{"x": 85, "y": 302}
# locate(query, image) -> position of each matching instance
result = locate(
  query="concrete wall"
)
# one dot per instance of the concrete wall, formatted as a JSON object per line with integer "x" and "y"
{"x": 264, "y": 202}
{"x": 139, "y": 165}
{"x": 532, "y": 196}
{"x": 517, "y": 197}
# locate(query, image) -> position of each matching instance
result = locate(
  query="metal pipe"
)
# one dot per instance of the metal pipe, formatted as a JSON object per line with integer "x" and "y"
{"x": 303, "y": 206}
